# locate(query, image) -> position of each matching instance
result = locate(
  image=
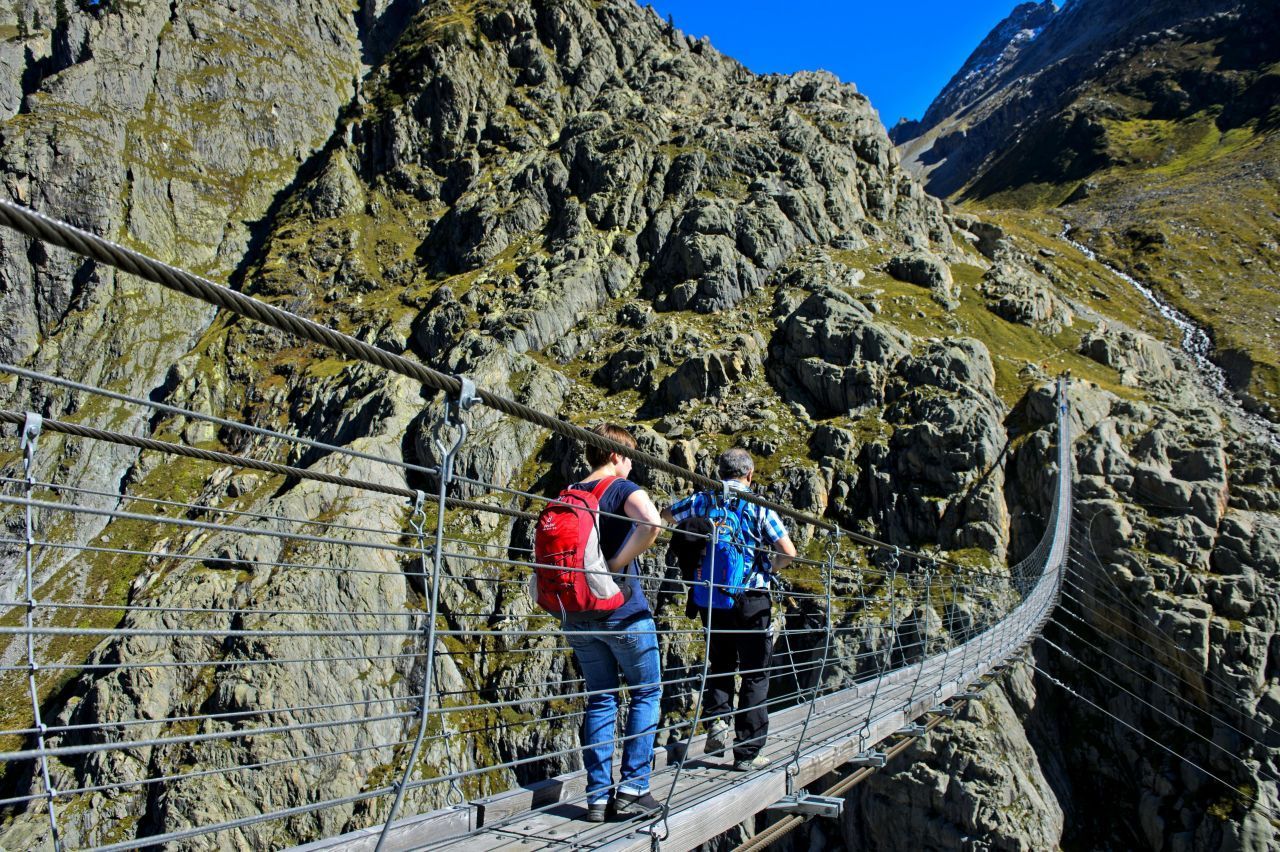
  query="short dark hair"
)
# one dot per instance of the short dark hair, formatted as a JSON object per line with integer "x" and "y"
{"x": 735, "y": 463}
{"x": 596, "y": 456}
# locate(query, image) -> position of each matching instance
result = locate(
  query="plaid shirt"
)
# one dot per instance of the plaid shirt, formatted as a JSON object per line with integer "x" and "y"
{"x": 763, "y": 525}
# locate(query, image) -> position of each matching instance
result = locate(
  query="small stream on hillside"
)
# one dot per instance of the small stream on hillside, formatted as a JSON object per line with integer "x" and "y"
{"x": 1196, "y": 343}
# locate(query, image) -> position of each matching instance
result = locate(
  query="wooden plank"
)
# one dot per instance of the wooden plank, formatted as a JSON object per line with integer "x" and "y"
{"x": 405, "y": 834}
{"x": 530, "y": 797}
{"x": 689, "y": 826}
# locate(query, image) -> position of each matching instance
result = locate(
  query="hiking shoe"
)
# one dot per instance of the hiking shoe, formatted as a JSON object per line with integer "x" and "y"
{"x": 631, "y": 805}
{"x": 752, "y": 764}
{"x": 717, "y": 737}
{"x": 596, "y": 812}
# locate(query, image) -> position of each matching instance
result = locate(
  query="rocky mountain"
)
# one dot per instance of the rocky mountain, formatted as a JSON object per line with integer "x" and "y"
{"x": 582, "y": 208}
{"x": 1150, "y": 131}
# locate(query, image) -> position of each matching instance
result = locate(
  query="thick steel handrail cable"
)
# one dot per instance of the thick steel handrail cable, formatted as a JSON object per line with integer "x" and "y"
{"x": 47, "y": 229}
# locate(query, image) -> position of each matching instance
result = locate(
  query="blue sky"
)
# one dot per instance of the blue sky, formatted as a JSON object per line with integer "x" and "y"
{"x": 899, "y": 54}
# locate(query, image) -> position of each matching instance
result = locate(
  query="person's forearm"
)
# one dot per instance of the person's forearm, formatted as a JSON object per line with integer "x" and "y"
{"x": 638, "y": 542}
{"x": 784, "y": 552}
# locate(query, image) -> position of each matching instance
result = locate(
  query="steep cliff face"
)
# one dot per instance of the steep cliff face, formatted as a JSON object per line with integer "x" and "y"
{"x": 171, "y": 127}
{"x": 582, "y": 209}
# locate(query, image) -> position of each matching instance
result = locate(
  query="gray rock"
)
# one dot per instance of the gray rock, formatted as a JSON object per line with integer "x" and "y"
{"x": 1023, "y": 297}
{"x": 1137, "y": 357}
{"x": 927, "y": 270}
{"x": 936, "y": 479}
{"x": 710, "y": 376}
{"x": 831, "y": 354}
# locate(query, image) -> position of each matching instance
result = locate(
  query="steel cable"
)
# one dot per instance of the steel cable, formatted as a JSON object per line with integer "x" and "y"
{"x": 42, "y": 227}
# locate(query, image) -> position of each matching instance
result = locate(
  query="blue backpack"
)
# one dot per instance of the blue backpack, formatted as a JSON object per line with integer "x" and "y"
{"x": 729, "y": 561}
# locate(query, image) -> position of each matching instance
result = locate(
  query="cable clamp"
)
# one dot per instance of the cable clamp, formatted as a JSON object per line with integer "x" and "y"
{"x": 467, "y": 397}
{"x": 31, "y": 428}
{"x": 807, "y": 804}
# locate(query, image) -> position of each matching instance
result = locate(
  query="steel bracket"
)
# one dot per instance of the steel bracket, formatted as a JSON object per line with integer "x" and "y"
{"x": 874, "y": 759}
{"x": 806, "y": 804}
{"x": 912, "y": 730}
{"x": 943, "y": 710}
{"x": 966, "y": 696}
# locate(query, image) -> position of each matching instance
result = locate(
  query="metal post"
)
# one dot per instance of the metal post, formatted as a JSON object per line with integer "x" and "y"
{"x": 924, "y": 634}
{"x": 651, "y": 829}
{"x": 828, "y": 573}
{"x": 887, "y": 660}
{"x": 31, "y": 429}
{"x": 447, "y": 455}
{"x": 951, "y": 624}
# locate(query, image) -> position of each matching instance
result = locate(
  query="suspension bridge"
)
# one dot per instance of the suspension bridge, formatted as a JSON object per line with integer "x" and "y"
{"x": 896, "y": 641}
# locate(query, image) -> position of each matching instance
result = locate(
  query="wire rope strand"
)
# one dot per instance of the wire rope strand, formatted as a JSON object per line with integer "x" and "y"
{"x": 217, "y": 457}
{"x": 1251, "y": 799}
{"x": 1182, "y": 698}
{"x": 1177, "y": 722}
{"x": 1162, "y": 647}
{"x": 34, "y": 375}
{"x": 1146, "y": 627}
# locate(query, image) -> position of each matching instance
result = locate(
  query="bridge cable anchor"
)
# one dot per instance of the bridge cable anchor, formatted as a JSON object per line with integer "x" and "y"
{"x": 870, "y": 760}
{"x": 809, "y": 805}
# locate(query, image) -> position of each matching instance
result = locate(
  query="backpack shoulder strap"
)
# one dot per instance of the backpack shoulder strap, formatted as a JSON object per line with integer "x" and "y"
{"x": 602, "y": 485}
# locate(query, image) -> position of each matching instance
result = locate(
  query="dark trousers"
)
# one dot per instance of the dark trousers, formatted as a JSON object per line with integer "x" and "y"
{"x": 749, "y": 652}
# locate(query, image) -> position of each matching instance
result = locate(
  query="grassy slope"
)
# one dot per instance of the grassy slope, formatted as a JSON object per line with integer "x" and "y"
{"x": 1189, "y": 203}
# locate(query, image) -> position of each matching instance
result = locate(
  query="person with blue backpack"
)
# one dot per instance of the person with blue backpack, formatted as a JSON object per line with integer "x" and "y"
{"x": 730, "y": 592}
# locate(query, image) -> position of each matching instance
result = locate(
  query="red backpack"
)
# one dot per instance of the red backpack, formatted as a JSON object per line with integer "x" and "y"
{"x": 570, "y": 574}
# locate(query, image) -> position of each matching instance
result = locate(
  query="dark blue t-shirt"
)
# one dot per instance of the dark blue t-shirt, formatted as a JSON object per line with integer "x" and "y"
{"x": 613, "y": 534}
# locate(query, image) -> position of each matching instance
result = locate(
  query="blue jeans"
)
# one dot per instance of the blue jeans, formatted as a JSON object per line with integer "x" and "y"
{"x": 633, "y": 649}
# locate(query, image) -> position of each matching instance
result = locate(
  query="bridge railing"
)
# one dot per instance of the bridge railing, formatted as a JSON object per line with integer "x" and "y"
{"x": 139, "y": 699}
